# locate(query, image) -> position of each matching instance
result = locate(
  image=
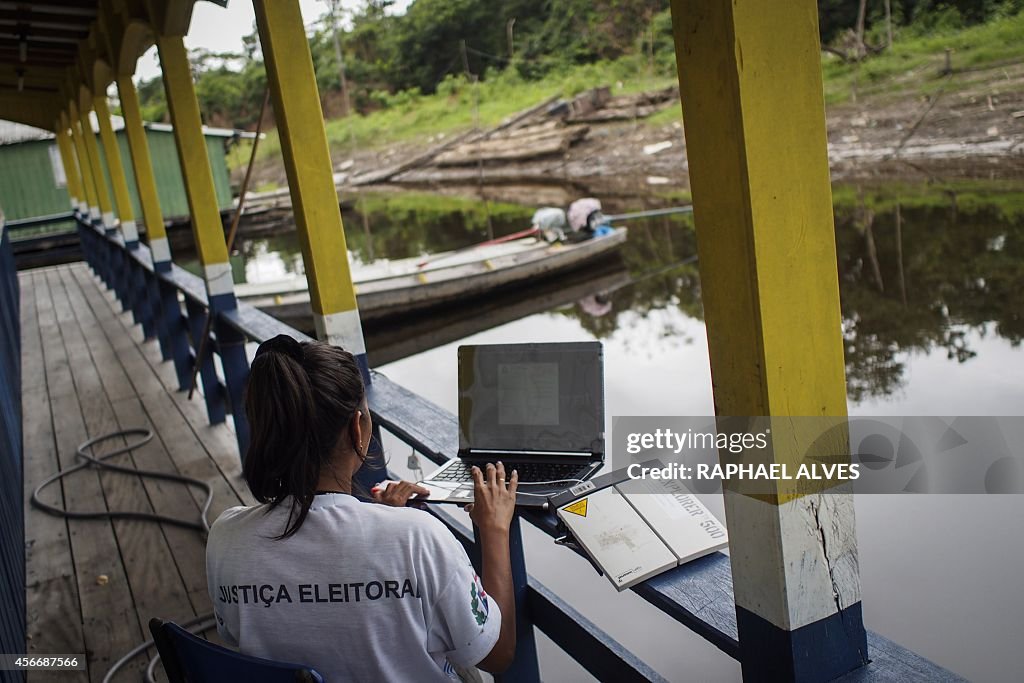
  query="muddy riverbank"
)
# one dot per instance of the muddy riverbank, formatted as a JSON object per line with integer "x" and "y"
{"x": 970, "y": 126}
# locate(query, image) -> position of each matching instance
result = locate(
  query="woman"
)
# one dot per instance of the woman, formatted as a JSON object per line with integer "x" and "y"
{"x": 359, "y": 591}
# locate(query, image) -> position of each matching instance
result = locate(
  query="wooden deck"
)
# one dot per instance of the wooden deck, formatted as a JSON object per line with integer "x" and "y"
{"x": 93, "y": 585}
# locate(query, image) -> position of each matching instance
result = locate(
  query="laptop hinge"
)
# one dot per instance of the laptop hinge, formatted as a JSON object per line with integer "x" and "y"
{"x": 485, "y": 452}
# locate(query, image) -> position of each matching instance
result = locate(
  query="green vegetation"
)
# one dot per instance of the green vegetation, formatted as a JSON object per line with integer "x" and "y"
{"x": 917, "y": 57}
{"x": 412, "y": 116}
{"x": 447, "y": 65}
{"x": 1001, "y": 199}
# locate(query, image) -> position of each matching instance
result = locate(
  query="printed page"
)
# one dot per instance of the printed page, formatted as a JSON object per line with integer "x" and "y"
{"x": 617, "y": 538}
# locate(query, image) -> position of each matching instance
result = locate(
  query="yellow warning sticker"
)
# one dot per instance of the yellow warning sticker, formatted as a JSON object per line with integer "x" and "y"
{"x": 577, "y": 508}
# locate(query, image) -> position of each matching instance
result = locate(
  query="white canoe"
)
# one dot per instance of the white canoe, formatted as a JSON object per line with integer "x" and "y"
{"x": 386, "y": 288}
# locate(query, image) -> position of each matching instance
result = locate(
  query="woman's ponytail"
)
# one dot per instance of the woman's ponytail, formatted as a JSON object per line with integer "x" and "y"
{"x": 299, "y": 399}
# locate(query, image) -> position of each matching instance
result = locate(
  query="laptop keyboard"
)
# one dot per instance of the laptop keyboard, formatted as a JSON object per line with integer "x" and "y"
{"x": 528, "y": 471}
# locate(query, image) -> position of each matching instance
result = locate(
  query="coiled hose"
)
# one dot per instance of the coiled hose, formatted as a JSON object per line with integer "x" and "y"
{"x": 87, "y": 453}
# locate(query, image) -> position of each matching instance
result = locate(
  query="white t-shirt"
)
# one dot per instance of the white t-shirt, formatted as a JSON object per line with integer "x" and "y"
{"x": 361, "y": 592}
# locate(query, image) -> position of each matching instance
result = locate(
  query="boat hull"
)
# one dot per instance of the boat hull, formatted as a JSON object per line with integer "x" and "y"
{"x": 413, "y": 292}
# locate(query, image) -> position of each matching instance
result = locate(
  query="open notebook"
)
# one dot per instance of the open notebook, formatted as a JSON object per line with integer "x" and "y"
{"x": 638, "y": 528}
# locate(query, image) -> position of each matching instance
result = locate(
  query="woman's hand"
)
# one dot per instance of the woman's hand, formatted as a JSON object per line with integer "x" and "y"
{"x": 494, "y": 501}
{"x": 493, "y": 507}
{"x": 398, "y": 493}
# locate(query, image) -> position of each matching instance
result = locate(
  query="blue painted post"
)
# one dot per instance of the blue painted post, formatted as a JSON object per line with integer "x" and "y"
{"x": 132, "y": 283}
{"x": 97, "y": 228}
{"x": 124, "y": 277}
{"x": 117, "y": 273}
{"x": 163, "y": 332}
{"x": 95, "y": 248}
{"x": 143, "y": 303}
{"x": 122, "y": 273}
{"x": 110, "y": 261}
{"x": 101, "y": 251}
{"x": 134, "y": 291}
{"x": 176, "y": 327}
{"x": 89, "y": 234}
{"x": 83, "y": 240}
{"x": 117, "y": 269}
{"x": 231, "y": 348}
{"x": 85, "y": 233}
{"x": 163, "y": 335}
{"x": 525, "y": 666}
{"x": 207, "y": 371}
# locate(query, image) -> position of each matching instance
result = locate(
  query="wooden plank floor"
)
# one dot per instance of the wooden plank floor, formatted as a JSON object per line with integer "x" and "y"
{"x": 93, "y": 585}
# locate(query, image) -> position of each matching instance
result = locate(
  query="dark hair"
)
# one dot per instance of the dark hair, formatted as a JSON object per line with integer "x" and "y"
{"x": 299, "y": 400}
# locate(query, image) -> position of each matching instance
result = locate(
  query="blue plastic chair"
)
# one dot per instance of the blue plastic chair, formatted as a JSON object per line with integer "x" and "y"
{"x": 190, "y": 659}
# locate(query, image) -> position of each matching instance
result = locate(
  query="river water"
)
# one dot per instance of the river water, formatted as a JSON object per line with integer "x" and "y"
{"x": 931, "y": 281}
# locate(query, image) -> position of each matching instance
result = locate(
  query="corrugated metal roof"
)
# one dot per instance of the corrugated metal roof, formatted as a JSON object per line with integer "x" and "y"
{"x": 12, "y": 133}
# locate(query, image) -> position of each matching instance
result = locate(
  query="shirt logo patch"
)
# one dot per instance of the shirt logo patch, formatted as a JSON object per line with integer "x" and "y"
{"x": 478, "y": 603}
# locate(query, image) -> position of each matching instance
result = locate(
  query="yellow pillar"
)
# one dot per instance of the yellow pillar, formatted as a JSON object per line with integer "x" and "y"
{"x": 96, "y": 164}
{"x": 207, "y": 228}
{"x": 751, "y": 89}
{"x": 113, "y": 154}
{"x": 307, "y": 162}
{"x": 91, "y": 209}
{"x": 209, "y": 237}
{"x": 138, "y": 147}
{"x": 67, "y": 157}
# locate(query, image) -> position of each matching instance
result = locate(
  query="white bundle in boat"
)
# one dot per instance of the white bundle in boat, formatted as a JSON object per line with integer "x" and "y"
{"x": 550, "y": 220}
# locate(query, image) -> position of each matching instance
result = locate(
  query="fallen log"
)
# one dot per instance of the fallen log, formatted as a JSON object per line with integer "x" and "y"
{"x": 385, "y": 174}
{"x": 620, "y": 113}
{"x": 540, "y": 144}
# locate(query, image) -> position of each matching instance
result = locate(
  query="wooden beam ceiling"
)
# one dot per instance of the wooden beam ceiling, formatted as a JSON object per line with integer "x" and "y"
{"x": 42, "y": 34}
{"x": 34, "y": 17}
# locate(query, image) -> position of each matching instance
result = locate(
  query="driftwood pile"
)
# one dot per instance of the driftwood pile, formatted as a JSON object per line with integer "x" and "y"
{"x": 547, "y": 129}
{"x": 598, "y": 106}
{"x": 525, "y": 142}
{"x": 553, "y": 128}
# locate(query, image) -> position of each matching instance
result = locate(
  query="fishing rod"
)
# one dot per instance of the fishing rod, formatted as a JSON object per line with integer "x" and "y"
{"x": 497, "y": 240}
{"x": 651, "y": 214}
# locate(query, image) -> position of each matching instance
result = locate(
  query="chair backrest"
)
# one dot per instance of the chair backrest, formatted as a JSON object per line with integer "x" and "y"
{"x": 190, "y": 659}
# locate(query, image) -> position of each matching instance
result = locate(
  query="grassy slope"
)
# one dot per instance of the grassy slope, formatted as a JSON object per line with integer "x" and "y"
{"x": 452, "y": 109}
{"x": 916, "y": 61}
{"x": 911, "y": 67}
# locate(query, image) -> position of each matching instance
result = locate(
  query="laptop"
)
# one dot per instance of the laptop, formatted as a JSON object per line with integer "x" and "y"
{"x": 538, "y": 408}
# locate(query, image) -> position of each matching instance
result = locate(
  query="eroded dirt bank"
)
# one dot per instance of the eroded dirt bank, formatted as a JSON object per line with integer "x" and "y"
{"x": 971, "y": 126}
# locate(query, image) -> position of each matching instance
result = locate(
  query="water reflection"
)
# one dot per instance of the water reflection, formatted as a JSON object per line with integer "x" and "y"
{"x": 926, "y": 274}
{"x": 923, "y": 271}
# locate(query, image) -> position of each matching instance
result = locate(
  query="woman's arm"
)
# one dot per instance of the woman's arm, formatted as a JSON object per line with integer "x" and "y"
{"x": 494, "y": 504}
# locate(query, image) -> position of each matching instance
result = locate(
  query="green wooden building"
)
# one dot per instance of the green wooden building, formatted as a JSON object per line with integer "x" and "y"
{"x": 32, "y": 181}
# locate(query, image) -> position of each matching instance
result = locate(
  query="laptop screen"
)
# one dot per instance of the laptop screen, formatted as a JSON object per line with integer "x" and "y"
{"x": 532, "y": 397}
